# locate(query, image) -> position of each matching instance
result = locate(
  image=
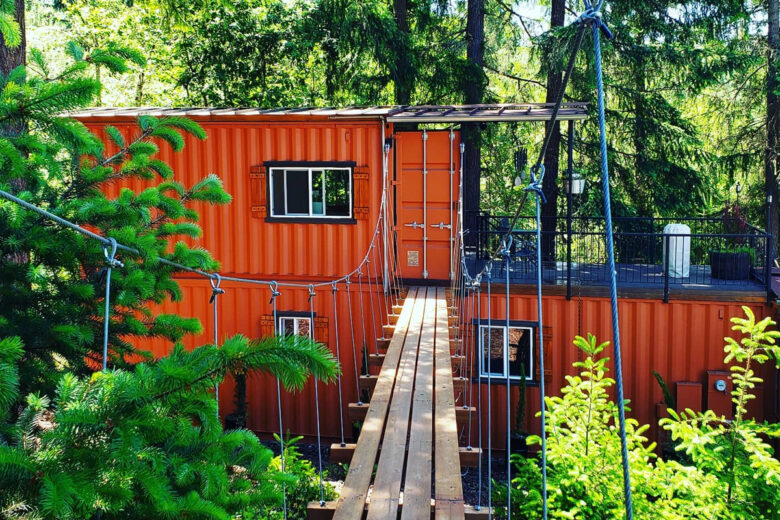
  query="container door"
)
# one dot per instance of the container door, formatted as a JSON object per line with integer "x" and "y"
{"x": 426, "y": 175}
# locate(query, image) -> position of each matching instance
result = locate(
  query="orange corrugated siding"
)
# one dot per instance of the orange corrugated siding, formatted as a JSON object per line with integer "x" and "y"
{"x": 246, "y": 244}
{"x": 680, "y": 339}
{"x": 241, "y": 309}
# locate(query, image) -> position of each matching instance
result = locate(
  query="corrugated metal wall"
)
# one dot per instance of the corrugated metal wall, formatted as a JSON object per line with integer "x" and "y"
{"x": 680, "y": 339}
{"x": 246, "y": 244}
{"x": 242, "y": 308}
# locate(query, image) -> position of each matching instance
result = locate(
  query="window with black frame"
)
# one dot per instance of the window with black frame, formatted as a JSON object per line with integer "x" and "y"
{"x": 506, "y": 351}
{"x": 311, "y": 192}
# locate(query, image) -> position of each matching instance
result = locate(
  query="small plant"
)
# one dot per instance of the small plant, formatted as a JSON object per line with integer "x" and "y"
{"x": 300, "y": 481}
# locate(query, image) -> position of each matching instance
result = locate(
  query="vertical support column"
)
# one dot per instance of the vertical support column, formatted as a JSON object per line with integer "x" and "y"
{"x": 425, "y": 203}
{"x": 569, "y": 172}
{"x": 385, "y": 205}
{"x": 452, "y": 223}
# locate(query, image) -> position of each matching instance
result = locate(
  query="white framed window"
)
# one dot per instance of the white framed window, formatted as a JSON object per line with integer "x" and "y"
{"x": 311, "y": 192}
{"x": 294, "y": 326}
{"x": 506, "y": 351}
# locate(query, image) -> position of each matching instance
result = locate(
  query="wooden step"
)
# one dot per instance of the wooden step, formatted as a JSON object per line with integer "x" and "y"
{"x": 315, "y": 511}
{"x": 459, "y": 384}
{"x": 452, "y": 320}
{"x": 469, "y": 458}
{"x": 387, "y": 330}
{"x": 368, "y": 382}
{"x": 462, "y": 414}
{"x": 453, "y": 310}
{"x": 357, "y": 412}
{"x": 343, "y": 454}
{"x": 382, "y": 343}
{"x": 397, "y": 309}
{"x": 376, "y": 360}
{"x": 455, "y": 344}
{"x": 392, "y": 319}
{"x": 453, "y": 332}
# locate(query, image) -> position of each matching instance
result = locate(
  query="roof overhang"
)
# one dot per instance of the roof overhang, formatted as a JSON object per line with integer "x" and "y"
{"x": 425, "y": 114}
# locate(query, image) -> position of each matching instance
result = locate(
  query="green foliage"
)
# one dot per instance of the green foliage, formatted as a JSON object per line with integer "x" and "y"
{"x": 304, "y": 488}
{"x": 147, "y": 443}
{"x": 735, "y": 451}
{"x": 729, "y": 469}
{"x": 584, "y": 459}
{"x": 51, "y": 279}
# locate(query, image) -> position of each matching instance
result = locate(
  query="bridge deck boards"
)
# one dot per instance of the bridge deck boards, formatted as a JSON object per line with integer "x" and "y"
{"x": 412, "y": 416}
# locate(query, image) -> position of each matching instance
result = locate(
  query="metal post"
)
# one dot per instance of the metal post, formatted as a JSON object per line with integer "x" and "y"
{"x": 425, "y": 203}
{"x": 452, "y": 176}
{"x": 770, "y": 249}
{"x": 570, "y": 167}
{"x": 385, "y": 198}
{"x": 666, "y": 268}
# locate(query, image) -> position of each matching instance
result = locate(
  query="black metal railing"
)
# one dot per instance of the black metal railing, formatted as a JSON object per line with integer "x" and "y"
{"x": 579, "y": 256}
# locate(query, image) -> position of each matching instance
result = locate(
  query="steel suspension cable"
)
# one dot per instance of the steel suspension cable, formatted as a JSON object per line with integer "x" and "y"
{"x": 216, "y": 291}
{"x": 352, "y": 335}
{"x": 109, "y": 251}
{"x": 507, "y": 246}
{"x": 364, "y": 350}
{"x": 479, "y": 342}
{"x": 593, "y": 14}
{"x": 375, "y": 331}
{"x": 312, "y": 294}
{"x": 275, "y": 294}
{"x": 490, "y": 392}
{"x": 338, "y": 359}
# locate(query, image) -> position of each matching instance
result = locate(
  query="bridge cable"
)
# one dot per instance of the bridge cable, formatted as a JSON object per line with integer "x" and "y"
{"x": 338, "y": 359}
{"x": 216, "y": 290}
{"x": 312, "y": 294}
{"x": 275, "y": 294}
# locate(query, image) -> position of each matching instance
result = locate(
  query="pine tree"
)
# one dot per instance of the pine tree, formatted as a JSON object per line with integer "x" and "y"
{"x": 51, "y": 278}
{"x": 146, "y": 443}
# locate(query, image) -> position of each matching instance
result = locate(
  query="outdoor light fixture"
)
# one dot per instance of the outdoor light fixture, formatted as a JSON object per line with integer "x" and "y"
{"x": 521, "y": 162}
{"x": 575, "y": 183}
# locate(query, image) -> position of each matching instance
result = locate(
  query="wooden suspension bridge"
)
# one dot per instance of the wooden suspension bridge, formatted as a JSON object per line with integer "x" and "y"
{"x": 407, "y": 462}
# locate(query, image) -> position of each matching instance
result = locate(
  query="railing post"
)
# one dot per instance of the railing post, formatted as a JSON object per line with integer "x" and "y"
{"x": 768, "y": 266}
{"x": 666, "y": 268}
{"x": 570, "y": 167}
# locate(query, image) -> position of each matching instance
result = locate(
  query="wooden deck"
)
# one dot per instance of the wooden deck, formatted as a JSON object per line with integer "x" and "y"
{"x": 412, "y": 418}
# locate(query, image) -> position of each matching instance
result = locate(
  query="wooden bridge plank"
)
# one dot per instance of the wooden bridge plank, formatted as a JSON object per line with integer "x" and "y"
{"x": 417, "y": 485}
{"x": 449, "y": 488}
{"x": 353, "y": 495}
{"x": 387, "y": 483}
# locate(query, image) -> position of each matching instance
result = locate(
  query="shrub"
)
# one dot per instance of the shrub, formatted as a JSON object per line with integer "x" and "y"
{"x": 584, "y": 459}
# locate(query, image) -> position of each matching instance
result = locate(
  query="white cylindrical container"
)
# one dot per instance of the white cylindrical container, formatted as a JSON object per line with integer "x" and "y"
{"x": 679, "y": 250}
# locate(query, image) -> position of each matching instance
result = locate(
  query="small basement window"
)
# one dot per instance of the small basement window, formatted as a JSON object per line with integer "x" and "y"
{"x": 294, "y": 326}
{"x": 505, "y": 351}
{"x": 324, "y": 192}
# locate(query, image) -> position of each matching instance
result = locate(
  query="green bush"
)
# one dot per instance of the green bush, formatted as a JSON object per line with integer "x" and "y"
{"x": 732, "y": 473}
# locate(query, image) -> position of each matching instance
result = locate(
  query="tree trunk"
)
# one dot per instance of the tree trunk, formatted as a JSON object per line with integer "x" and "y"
{"x": 552, "y": 154}
{"x": 403, "y": 76}
{"x": 474, "y": 90}
{"x": 772, "y": 122}
{"x": 12, "y": 57}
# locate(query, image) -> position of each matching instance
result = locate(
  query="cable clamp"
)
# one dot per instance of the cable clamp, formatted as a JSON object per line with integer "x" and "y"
{"x": 312, "y": 294}
{"x": 111, "y": 260}
{"x": 215, "y": 279}
{"x": 274, "y": 292}
{"x": 537, "y": 178}
{"x": 592, "y": 15}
